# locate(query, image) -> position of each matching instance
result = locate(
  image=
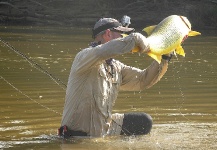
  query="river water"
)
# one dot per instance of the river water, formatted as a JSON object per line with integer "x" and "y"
{"x": 183, "y": 104}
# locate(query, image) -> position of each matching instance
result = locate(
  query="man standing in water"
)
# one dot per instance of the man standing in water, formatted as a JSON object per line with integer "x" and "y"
{"x": 96, "y": 78}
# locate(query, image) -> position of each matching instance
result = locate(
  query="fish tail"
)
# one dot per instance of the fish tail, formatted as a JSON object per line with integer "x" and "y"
{"x": 155, "y": 57}
{"x": 135, "y": 49}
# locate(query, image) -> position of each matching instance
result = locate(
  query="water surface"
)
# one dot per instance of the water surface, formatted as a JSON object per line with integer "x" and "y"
{"x": 183, "y": 104}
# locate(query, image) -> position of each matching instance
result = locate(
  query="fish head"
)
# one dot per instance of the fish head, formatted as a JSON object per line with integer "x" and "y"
{"x": 188, "y": 25}
{"x": 186, "y": 21}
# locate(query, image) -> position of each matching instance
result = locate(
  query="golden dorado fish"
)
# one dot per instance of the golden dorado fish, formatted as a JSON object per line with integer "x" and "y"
{"x": 168, "y": 36}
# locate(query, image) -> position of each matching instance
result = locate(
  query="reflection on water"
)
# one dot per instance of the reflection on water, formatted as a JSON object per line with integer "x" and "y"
{"x": 183, "y": 104}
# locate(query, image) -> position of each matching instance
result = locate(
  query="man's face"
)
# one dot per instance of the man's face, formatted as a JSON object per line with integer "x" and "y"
{"x": 115, "y": 34}
{"x": 110, "y": 35}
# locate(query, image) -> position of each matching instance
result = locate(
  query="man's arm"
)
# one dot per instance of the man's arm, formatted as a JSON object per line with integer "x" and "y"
{"x": 134, "y": 79}
{"x": 93, "y": 56}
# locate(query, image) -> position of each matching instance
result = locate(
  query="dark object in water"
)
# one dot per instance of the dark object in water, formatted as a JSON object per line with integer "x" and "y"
{"x": 64, "y": 132}
{"x": 137, "y": 123}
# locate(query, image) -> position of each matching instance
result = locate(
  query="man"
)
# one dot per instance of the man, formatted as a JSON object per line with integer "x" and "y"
{"x": 96, "y": 78}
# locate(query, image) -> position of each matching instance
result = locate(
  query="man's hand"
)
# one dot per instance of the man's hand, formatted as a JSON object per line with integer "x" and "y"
{"x": 168, "y": 56}
{"x": 142, "y": 44}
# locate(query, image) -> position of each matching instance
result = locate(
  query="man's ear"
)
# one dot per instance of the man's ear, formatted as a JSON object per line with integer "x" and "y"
{"x": 107, "y": 35}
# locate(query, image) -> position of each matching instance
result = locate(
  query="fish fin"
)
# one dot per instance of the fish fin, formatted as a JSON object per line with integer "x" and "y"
{"x": 135, "y": 49}
{"x": 194, "y": 33}
{"x": 180, "y": 51}
{"x": 149, "y": 29}
{"x": 155, "y": 57}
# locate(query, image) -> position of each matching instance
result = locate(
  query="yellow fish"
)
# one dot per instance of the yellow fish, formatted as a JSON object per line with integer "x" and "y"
{"x": 168, "y": 36}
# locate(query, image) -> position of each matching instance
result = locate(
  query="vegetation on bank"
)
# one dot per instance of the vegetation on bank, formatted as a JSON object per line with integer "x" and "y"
{"x": 84, "y": 13}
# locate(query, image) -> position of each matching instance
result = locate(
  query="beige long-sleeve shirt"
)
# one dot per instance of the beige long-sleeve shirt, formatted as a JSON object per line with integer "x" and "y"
{"x": 93, "y": 86}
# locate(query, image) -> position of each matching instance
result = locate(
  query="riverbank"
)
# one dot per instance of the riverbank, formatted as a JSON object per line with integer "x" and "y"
{"x": 84, "y": 13}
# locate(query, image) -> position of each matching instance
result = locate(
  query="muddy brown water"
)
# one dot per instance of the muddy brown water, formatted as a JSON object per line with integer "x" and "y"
{"x": 183, "y": 104}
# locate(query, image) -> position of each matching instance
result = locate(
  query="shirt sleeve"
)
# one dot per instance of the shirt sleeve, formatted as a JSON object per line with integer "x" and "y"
{"x": 134, "y": 79}
{"x": 93, "y": 56}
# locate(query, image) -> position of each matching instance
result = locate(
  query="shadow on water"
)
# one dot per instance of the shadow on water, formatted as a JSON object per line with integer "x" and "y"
{"x": 183, "y": 104}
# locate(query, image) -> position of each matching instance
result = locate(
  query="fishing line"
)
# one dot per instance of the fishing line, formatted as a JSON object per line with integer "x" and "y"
{"x": 35, "y": 65}
{"x": 180, "y": 90}
{"x": 124, "y": 130}
{"x": 38, "y": 67}
{"x": 28, "y": 96}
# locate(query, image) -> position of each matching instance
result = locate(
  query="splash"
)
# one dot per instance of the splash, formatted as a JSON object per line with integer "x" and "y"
{"x": 179, "y": 106}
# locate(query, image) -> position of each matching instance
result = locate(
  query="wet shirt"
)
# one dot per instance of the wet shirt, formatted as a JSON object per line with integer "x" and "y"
{"x": 94, "y": 82}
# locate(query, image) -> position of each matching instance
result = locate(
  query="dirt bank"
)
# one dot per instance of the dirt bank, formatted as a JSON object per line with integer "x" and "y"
{"x": 83, "y": 13}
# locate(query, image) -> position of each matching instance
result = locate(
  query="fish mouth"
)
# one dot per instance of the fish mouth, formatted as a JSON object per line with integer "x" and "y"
{"x": 184, "y": 19}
